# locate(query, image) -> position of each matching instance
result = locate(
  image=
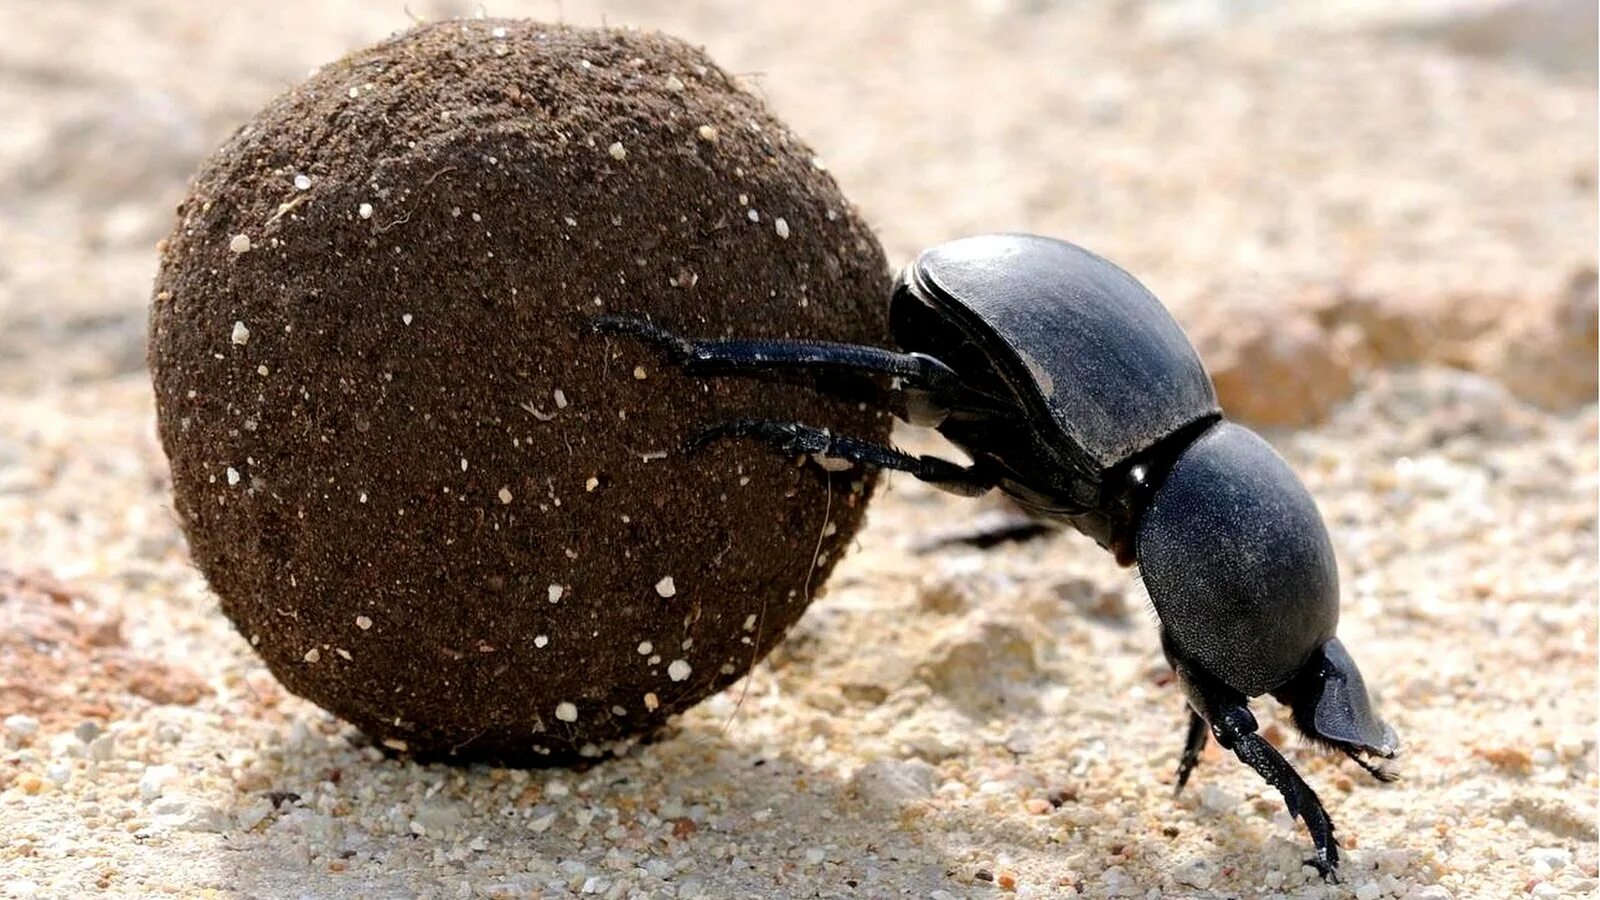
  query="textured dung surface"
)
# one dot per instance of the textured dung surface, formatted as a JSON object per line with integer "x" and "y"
{"x": 432, "y": 501}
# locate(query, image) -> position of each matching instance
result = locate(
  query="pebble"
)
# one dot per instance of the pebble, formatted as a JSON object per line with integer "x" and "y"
{"x": 155, "y": 780}
{"x": 22, "y": 726}
{"x": 617, "y": 151}
{"x": 240, "y": 243}
{"x": 240, "y": 335}
{"x": 678, "y": 669}
{"x": 666, "y": 588}
{"x": 894, "y": 783}
{"x": 1195, "y": 873}
{"x": 1368, "y": 891}
{"x": 1217, "y": 799}
{"x": 1552, "y": 858}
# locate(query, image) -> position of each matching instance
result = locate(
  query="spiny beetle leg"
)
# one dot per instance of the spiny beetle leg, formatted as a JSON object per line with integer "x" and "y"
{"x": 1193, "y": 743}
{"x": 926, "y": 387}
{"x": 1235, "y": 729}
{"x": 987, "y": 532}
{"x": 793, "y": 437}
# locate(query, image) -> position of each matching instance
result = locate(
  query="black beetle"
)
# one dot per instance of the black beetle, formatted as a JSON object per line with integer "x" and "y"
{"x": 1078, "y": 396}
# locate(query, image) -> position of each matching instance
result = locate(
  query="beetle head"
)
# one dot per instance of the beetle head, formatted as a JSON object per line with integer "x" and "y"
{"x": 1330, "y": 705}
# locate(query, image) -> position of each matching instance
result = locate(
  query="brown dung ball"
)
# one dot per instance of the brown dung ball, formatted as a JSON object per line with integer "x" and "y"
{"x": 433, "y": 501}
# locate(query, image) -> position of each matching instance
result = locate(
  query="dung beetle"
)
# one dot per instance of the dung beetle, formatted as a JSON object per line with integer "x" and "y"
{"x": 1077, "y": 395}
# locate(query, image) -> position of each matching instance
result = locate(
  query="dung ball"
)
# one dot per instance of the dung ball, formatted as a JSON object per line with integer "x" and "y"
{"x": 432, "y": 499}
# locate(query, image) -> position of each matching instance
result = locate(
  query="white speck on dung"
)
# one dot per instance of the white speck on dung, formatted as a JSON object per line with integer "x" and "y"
{"x": 617, "y": 151}
{"x": 405, "y": 318}
{"x": 678, "y": 669}
{"x": 646, "y": 648}
{"x": 707, "y": 132}
{"x": 313, "y": 655}
{"x": 541, "y": 641}
{"x": 782, "y": 227}
{"x": 302, "y": 183}
{"x": 240, "y": 243}
{"x": 674, "y": 83}
{"x": 566, "y": 712}
{"x": 666, "y": 588}
{"x": 240, "y": 335}
{"x": 364, "y": 210}
{"x": 363, "y": 623}
{"x": 753, "y": 216}
{"x": 555, "y": 593}
{"x": 505, "y": 495}
{"x": 561, "y": 399}
{"x": 233, "y": 476}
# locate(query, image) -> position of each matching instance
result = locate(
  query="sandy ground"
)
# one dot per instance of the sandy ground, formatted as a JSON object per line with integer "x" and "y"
{"x": 947, "y": 724}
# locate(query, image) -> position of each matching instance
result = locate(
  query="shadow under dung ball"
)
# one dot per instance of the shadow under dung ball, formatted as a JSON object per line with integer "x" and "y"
{"x": 434, "y": 502}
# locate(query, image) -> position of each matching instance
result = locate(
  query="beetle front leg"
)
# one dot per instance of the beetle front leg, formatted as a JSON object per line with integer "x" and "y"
{"x": 922, "y": 390}
{"x": 823, "y": 446}
{"x": 1235, "y": 729}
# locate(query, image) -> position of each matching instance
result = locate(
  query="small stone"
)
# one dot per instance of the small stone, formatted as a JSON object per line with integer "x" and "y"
{"x": 313, "y": 655}
{"x": 678, "y": 669}
{"x": 554, "y": 592}
{"x": 240, "y": 335}
{"x": 782, "y": 227}
{"x": 1368, "y": 891}
{"x": 505, "y": 495}
{"x": 617, "y": 151}
{"x": 894, "y": 783}
{"x": 1429, "y": 892}
{"x": 302, "y": 183}
{"x": 87, "y": 731}
{"x": 652, "y": 702}
{"x": 1554, "y": 857}
{"x": 240, "y": 243}
{"x": 541, "y": 641}
{"x": 707, "y": 133}
{"x": 233, "y": 476}
{"x": 364, "y": 210}
{"x": 674, "y": 83}
{"x": 566, "y": 712}
{"x": 1196, "y": 874}
{"x": 153, "y": 783}
{"x": 666, "y": 588}
{"x": 22, "y": 726}
{"x": 1218, "y": 800}
{"x": 363, "y": 623}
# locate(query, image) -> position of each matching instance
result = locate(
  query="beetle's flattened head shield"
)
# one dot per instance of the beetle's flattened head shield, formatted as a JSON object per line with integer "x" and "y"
{"x": 1331, "y": 706}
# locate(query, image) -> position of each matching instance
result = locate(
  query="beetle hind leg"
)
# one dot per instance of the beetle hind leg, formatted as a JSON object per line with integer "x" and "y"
{"x": 826, "y": 447}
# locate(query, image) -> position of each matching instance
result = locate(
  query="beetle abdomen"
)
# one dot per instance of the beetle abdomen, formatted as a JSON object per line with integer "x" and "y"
{"x": 1076, "y": 338}
{"x": 1238, "y": 562}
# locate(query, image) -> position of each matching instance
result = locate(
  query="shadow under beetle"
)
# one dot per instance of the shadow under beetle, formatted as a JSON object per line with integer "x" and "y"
{"x": 1077, "y": 395}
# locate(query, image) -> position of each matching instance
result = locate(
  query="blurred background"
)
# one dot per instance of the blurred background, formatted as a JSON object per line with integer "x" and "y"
{"x": 1396, "y": 182}
{"x": 1378, "y": 220}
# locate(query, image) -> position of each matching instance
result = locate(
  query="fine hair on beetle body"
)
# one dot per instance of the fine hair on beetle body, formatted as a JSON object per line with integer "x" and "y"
{"x": 1075, "y": 393}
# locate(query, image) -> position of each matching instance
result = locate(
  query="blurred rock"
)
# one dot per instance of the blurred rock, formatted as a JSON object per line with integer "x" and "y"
{"x": 1272, "y": 362}
{"x": 1553, "y": 34}
{"x": 1548, "y": 352}
{"x": 894, "y": 782}
{"x": 983, "y": 667}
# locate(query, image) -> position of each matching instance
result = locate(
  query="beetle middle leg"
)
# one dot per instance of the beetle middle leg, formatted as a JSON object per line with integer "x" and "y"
{"x": 823, "y": 445}
{"x": 1193, "y": 743}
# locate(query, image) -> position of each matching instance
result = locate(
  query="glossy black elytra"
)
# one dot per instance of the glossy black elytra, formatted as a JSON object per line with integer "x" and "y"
{"x": 1078, "y": 396}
